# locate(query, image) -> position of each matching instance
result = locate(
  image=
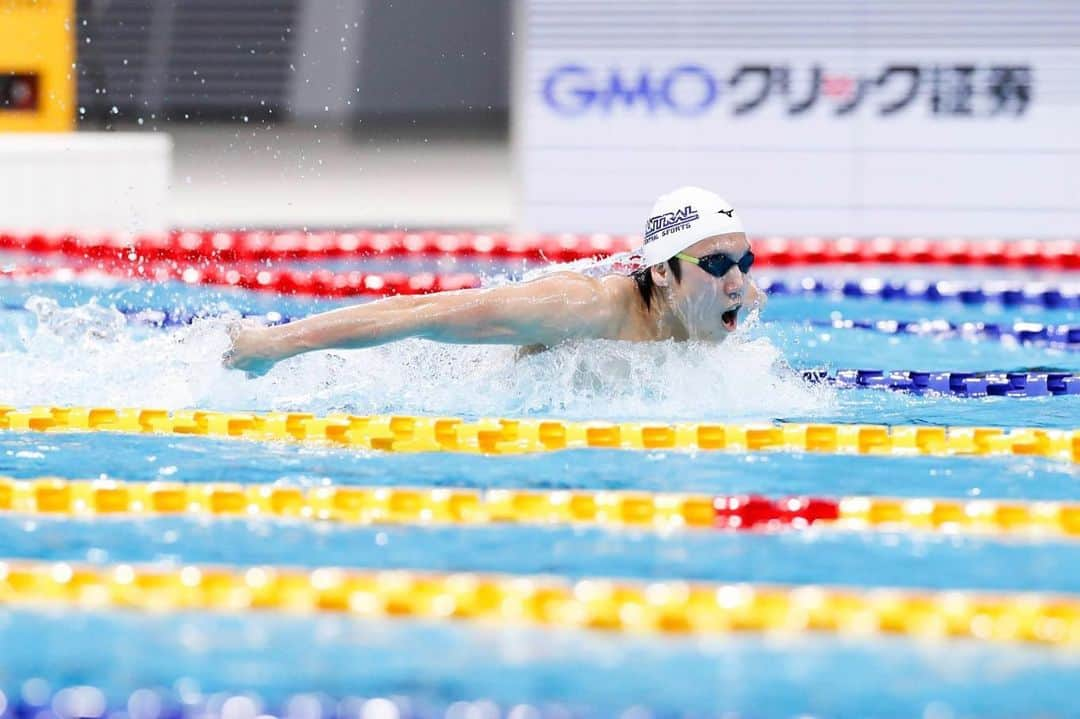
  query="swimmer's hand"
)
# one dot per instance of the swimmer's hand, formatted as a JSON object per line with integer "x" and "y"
{"x": 250, "y": 350}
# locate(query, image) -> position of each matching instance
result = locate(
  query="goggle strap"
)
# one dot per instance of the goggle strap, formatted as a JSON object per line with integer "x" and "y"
{"x": 747, "y": 258}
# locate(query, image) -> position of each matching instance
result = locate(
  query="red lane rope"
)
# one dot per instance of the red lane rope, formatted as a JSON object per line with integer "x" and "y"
{"x": 186, "y": 246}
{"x": 320, "y": 283}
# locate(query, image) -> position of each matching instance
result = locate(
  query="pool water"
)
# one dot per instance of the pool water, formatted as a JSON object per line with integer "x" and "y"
{"x": 62, "y": 345}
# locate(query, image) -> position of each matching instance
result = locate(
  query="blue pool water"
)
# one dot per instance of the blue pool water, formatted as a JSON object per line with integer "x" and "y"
{"x": 73, "y": 349}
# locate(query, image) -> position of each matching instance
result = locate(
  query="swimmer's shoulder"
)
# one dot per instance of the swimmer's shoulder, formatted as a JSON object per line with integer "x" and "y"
{"x": 585, "y": 286}
{"x": 598, "y": 303}
{"x": 605, "y": 295}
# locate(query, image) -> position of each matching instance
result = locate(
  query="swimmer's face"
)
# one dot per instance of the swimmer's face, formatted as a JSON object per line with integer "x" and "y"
{"x": 709, "y": 307}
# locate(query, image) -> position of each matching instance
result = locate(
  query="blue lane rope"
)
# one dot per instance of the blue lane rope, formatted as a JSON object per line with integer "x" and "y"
{"x": 968, "y": 384}
{"x": 1060, "y": 336}
{"x": 40, "y": 701}
{"x": 1065, "y": 296}
{"x": 962, "y": 384}
{"x": 171, "y": 318}
{"x": 1055, "y": 336}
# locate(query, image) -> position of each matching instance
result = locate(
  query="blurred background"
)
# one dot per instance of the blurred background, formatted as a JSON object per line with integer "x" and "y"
{"x": 957, "y": 117}
{"x": 293, "y": 113}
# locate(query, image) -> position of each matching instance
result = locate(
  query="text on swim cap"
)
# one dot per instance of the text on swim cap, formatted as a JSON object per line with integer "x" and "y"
{"x": 665, "y": 224}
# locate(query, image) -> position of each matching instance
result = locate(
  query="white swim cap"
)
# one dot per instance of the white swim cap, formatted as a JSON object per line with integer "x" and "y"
{"x": 683, "y": 217}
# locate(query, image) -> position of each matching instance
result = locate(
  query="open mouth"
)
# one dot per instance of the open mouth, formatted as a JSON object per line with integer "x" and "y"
{"x": 731, "y": 318}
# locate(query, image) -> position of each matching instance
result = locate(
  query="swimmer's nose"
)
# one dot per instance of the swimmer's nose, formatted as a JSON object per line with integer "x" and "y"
{"x": 734, "y": 283}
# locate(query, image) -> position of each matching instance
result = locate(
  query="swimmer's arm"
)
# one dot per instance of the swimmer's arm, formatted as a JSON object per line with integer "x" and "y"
{"x": 546, "y": 311}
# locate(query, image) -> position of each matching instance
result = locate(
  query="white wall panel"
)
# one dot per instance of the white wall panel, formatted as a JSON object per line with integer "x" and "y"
{"x": 87, "y": 181}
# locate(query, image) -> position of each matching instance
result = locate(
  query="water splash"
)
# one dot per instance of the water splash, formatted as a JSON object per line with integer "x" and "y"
{"x": 76, "y": 325}
{"x": 89, "y": 355}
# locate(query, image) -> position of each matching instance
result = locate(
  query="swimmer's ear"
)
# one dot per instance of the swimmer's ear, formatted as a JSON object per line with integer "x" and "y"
{"x": 659, "y": 274}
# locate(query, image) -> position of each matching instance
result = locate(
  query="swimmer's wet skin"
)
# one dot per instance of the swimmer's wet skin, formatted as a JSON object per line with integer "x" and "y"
{"x": 661, "y": 300}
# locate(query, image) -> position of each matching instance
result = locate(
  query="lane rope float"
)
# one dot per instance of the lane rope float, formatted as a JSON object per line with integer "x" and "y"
{"x": 667, "y": 607}
{"x": 961, "y": 384}
{"x": 965, "y": 384}
{"x": 1056, "y": 336}
{"x": 244, "y": 246}
{"x": 156, "y": 702}
{"x": 1042, "y": 294}
{"x": 661, "y": 511}
{"x": 170, "y": 318}
{"x": 318, "y": 283}
{"x": 408, "y": 433}
{"x": 1027, "y": 333}
{"x": 328, "y": 283}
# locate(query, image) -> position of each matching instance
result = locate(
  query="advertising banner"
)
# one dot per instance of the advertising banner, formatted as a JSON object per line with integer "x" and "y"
{"x": 897, "y": 118}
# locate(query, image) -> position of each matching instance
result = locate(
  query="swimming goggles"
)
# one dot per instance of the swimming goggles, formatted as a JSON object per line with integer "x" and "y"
{"x": 718, "y": 264}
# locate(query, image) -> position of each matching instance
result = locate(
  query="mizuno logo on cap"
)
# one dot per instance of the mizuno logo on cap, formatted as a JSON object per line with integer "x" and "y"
{"x": 669, "y": 222}
{"x": 729, "y": 213}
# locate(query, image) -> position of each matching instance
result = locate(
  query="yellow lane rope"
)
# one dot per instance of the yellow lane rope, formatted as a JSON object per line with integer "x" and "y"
{"x": 509, "y": 436}
{"x": 613, "y": 605}
{"x": 365, "y": 505}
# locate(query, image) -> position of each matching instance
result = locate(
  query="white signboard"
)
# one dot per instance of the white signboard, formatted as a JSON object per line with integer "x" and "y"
{"x": 923, "y": 125}
{"x": 85, "y": 181}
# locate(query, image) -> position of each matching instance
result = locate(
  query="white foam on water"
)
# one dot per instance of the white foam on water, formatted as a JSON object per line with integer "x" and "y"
{"x": 89, "y": 355}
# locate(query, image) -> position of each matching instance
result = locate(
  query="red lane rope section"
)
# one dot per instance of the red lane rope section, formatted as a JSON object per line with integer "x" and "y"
{"x": 320, "y": 283}
{"x": 232, "y": 247}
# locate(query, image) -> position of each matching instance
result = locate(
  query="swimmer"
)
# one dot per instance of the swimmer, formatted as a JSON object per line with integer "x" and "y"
{"x": 693, "y": 283}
